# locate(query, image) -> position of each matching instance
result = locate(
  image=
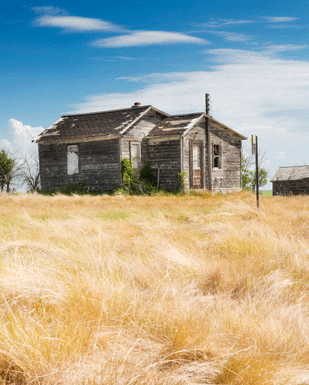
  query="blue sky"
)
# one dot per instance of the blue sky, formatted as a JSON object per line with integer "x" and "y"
{"x": 252, "y": 57}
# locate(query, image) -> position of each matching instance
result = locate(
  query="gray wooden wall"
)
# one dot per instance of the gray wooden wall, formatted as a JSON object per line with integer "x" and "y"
{"x": 99, "y": 165}
{"x": 291, "y": 187}
{"x": 164, "y": 154}
{"x": 196, "y": 134}
{"x": 228, "y": 177}
{"x": 137, "y": 133}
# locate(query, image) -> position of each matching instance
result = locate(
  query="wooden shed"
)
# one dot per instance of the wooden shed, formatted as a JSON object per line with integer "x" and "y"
{"x": 292, "y": 180}
{"x": 89, "y": 147}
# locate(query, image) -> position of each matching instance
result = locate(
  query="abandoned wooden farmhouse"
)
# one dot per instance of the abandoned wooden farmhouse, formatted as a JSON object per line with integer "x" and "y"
{"x": 89, "y": 147}
{"x": 293, "y": 180}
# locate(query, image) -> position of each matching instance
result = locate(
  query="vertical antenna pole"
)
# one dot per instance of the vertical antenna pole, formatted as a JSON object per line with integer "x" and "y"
{"x": 207, "y": 103}
{"x": 257, "y": 175}
{"x": 208, "y": 146}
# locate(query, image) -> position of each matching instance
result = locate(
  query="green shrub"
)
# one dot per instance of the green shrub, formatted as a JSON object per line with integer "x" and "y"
{"x": 182, "y": 183}
{"x": 73, "y": 188}
{"x": 78, "y": 188}
{"x": 131, "y": 184}
{"x": 146, "y": 175}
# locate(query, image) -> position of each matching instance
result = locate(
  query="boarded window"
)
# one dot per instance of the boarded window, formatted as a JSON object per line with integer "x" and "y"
{"x": 216, "y": 156}
{"x": 73, "y": 160}
{"x": 135, "y": 154}
{"x": 196, "y": 157}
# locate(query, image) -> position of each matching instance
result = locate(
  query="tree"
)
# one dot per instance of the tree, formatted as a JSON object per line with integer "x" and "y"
{"x": 30, "y": 172}
{"x": 262, "y": 177}
{"x": 249, "y": 174}
{"x": 246, "y": 173}
{"x": 6, "y": 170}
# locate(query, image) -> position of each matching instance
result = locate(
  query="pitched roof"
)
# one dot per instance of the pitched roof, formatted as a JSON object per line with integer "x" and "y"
{"x": 181, "y": 124}
{"x": 106, "y": 123}
{"x": 176, "y": 124}
{"x": 291, "y": 173}
{"x": 117, "y": 122}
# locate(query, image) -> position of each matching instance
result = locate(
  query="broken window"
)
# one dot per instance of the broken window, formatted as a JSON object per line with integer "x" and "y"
{"x": 135, "y": 154}
{"x": 73, "y": 160}
{"x": 216, "y": 156}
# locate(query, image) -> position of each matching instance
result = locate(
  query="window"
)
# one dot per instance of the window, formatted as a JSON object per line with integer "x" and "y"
{"x": 135, "y": 154}
{"x": 216, "y": 156}
{"x": 196, "y": 157}
{"x": 73, "y": 160}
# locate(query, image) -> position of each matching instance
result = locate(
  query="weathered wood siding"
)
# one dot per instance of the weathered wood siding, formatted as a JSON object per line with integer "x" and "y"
{"x": 196, "y": 135}
{"x": 99, "y": 165}
{"x": 137, "y": 133}
{"x": 163, "y": 154}
{"x": 291, "y": 187}
{"x": 228, "y": 177}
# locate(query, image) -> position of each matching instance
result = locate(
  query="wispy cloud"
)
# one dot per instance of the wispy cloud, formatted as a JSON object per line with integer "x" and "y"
{"x": 280, "y": 19}
{"x": 273, "y": 21}
{"x": 229, "y": 55}
{"x": 76, "y": 24}
{"x": 231, "y": 36}
{"x": 252, "y": 91}
{"x": 145, "y": 38}
{"x": 116, "y": 59}
{"x": 54, "y": 17}
{"x": 281, "y": 155}
{"x": 219, "y": 23}
{"x": 48, "y": 10}
{"x": 249, "y": 86}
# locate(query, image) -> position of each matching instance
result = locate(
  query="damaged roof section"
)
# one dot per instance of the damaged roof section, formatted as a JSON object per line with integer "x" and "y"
{"x": 95, "y": 124}
{"x": 112, "y": 124}
{"x": 181, "y": 124}
{"x": 176, "y": 124}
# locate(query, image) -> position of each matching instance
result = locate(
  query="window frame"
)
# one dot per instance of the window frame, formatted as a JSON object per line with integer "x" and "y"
{"x": 138, "y": 155}
{"x": 74, "y": 170}
{"x": 198, "y": 154}
{"x": 217, "y": 156}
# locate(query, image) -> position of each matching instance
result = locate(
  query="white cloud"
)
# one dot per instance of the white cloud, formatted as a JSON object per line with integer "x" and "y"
{"x": 144, "y": 38}
{"x": 6, "y": 145}
{"x": 231, "y": 36}
{"x": 252, "y": 84}
{"x": 281, "y": 155}
{"x": 219, "y": 23}
{"x": 76, "y": 24}
{"x": 251, "y": 91}
{"x": 47, "y": 10}
{"x": 280, "y": 19}
{"x": 22, "y": 136}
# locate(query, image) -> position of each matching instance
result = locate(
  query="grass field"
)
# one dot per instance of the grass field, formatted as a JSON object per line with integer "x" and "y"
{"x": 154, "y": 290}
{"x": 267, "y": 193}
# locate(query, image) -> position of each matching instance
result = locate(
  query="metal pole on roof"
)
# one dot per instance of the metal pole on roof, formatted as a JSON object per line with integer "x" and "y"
{"x": 207, "y": 103}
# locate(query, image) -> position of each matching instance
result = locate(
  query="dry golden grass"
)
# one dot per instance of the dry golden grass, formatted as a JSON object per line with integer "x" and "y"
{"x": 154, "y": 290}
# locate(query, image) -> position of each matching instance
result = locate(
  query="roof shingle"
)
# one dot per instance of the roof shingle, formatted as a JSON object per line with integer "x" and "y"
{"x": 291, "y": 173}
{"x": 92, "y": 124}
{"x": 175, "y": 125}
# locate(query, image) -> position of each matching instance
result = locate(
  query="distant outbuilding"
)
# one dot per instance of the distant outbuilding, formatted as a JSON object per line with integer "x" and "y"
{"x": 292, "y": 180}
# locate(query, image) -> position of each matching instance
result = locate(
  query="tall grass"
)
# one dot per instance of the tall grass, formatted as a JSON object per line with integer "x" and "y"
{"x": 154, "y": 290}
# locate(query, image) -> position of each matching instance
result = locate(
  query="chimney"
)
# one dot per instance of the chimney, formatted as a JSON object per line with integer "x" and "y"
{"x": 136, "y": 104}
